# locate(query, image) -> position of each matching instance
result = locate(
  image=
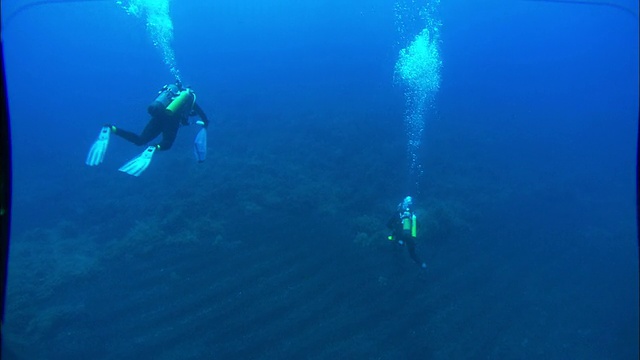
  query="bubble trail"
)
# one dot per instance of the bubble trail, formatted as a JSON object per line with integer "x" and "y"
{"x": 159, "y": 26}
{"x": 418, "y": 68}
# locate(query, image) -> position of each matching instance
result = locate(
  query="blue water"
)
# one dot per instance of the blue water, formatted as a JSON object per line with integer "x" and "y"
{"x": 275, "y": 247}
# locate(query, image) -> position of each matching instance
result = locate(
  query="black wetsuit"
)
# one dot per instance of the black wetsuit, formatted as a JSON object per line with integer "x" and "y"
{"x": 395, "y": 224}
{"x": 166, "y": 124}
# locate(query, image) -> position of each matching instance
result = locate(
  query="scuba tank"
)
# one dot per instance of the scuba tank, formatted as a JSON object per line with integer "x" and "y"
{"x": 409, "y": 223}
{"x": 171, "y": 100}
{"x": 165, "y": 96}
{"x": 414, "y": 231}
{"x": 406, "y": 223}
{"x": 182, "y": 106}
{"x": 185, "y": 96}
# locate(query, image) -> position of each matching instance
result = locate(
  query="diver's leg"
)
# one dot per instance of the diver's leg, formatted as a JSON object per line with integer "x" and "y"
{"x": 169, "y": 133}
{"x": 151, "y": 130}
{"x": 411, "y": 246}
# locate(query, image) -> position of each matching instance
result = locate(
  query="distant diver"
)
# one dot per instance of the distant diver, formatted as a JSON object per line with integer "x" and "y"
{"x": 172, "y": 108}
{"x": 404, "y": 230}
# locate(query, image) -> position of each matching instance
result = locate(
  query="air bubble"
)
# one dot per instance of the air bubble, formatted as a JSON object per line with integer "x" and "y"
{"x": 159, "y": 26}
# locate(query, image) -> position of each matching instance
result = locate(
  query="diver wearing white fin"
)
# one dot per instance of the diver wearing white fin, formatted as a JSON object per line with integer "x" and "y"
{"x": 172, "y": 108}
{"x": 404, "y": 229}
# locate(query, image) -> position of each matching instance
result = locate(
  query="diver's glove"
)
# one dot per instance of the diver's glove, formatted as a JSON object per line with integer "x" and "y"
{"x": 140, "y": 163}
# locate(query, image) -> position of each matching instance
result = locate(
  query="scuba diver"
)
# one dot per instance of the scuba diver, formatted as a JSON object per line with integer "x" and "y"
{"x": 172, "y": 108}
{"x": 403, "y": 228}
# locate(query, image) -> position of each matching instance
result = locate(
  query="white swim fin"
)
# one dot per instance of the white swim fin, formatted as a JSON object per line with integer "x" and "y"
{"x": 140, "y": 163}
{"x": 99, "y": 148}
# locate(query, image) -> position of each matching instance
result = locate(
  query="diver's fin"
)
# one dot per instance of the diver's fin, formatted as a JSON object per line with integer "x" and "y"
{"x": 200, "y": 145}
{"x": 140, "y": 163}
{"x": 99, "y": 148}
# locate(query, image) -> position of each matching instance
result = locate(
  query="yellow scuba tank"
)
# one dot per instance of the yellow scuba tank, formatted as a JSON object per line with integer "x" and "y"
{"x": 185, "y": 96}
{"x": 409, "y": 223}
{"x": 406, "y": 223}
{"x": 414, "y": 231}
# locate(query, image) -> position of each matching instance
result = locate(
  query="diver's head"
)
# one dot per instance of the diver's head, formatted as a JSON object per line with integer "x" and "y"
{"x": 174, "y": 89}
{"x": 407, "y": 202}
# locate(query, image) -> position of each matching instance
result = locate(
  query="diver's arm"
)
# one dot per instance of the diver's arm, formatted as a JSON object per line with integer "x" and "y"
{"x": 198, "y": 111}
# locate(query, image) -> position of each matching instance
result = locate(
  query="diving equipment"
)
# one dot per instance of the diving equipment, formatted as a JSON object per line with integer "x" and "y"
{"x": 406, "y": 222}
{"x": 99, "y": 148}
{"x": 414, "y": 230}
{"x": 200, "y": 145}
{"x": 140, "y": 163}
{"x": 172, "y": 100}
{"x": 409, "y": 223}
{"x": 183, "y": 97}
{"x": 165, "y": 96}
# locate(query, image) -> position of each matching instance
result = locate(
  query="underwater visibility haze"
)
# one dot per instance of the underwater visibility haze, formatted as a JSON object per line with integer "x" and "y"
{"x": 512, "y": 125}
